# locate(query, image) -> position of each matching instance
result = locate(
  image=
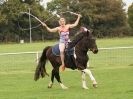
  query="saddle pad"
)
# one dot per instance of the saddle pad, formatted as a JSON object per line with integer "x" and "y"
{"x": 56, "y": 51}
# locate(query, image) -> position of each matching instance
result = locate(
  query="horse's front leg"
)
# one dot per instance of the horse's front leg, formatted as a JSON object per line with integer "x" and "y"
{"x": 57, "y": 76}
{"x": 87, "y": 71}
{"x": 84, "y": 80}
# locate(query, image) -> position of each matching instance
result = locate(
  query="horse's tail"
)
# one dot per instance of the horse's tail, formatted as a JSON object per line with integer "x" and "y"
{"x": 40, "y": 69}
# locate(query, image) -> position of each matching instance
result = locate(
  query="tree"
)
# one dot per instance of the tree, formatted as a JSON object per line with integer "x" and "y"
{"x": 103, "y": 16}
{"x": 9, "y": 12}
{"x": 130, "y": 16}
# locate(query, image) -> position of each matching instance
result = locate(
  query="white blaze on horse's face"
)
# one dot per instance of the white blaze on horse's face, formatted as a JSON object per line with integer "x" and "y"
{"x": 85, "y": 29}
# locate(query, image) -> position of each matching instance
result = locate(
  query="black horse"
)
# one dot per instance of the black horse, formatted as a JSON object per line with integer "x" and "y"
{"x": 82, "y": 43}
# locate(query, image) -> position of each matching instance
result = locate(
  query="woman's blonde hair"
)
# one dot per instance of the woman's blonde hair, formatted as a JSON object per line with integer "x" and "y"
{"x": 61, "y": 19}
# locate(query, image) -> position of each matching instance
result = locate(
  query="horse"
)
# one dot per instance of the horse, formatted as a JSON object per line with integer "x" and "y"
{"x": 82, "y": 43}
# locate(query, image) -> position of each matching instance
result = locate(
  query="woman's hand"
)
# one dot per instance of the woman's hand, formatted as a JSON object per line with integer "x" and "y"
{"x": 79, "y": 15}
{"x": 43, "y": 24}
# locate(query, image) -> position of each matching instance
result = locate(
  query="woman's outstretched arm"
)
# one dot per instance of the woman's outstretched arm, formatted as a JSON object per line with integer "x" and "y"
{"x": 49, "y": 29}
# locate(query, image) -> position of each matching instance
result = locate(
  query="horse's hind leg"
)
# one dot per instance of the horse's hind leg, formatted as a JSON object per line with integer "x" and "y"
{"x": 57, "y": 76}
{"x": 52, "y": 79}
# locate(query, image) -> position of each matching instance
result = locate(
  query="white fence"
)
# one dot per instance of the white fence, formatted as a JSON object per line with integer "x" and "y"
{"x": 112, "y": 48}
{"x": 19, "y": 53}
{"x": 26, "y": 61}
{"x": 108, "y": 48}
{"x": 38, "y": 52}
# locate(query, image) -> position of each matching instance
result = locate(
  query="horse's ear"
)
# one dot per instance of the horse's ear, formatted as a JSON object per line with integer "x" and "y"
{"x": 86, "y": 31}
{"x": 89, "y": 33}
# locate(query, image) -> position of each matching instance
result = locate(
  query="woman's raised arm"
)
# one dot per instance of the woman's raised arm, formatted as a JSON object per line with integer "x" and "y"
{"x": 76, "y": 22}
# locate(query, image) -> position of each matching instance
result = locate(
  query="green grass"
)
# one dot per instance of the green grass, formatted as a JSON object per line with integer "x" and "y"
{"x": 113, "y": 69}
{"x": 4, "y": 48}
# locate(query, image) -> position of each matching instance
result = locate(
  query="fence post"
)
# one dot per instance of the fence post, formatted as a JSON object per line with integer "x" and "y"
{"x": 37, "y": 57}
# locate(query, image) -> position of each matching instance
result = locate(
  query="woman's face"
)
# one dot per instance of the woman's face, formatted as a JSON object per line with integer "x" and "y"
{"x": 62, "y": 21}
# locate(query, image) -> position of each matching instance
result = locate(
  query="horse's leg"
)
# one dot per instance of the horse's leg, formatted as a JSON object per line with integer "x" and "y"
{"x": 84, "y": 80}
{"x": 57, "y": 76}
{"x": 87, "y": 71}
{"x": 52, "y": 79}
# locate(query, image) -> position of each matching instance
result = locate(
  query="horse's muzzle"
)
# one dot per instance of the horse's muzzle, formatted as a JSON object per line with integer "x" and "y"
{"x": 95, "y": 51}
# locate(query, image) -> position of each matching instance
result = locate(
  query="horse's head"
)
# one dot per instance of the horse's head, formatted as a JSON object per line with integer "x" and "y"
{"x": 92, "y": 45}
{"x": 89, "y": 40}
{"x": 85, "y": 40}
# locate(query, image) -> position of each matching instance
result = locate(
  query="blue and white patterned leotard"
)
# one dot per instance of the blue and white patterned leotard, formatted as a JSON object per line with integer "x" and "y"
{"x": 64, "y": 36}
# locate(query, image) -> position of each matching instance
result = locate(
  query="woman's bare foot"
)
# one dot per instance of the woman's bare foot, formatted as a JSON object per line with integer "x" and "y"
{"x": 62, "y": 67}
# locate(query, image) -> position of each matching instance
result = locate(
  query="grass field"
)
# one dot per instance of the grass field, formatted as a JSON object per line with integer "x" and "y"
{"x": 113, "y": 70}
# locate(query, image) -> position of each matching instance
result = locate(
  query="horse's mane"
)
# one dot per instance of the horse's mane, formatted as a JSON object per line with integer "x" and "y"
{"x": 77, "y": 38}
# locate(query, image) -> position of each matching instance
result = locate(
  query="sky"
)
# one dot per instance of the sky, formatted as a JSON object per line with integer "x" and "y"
{"x": 127, "y": 2}
{"x": 44, "y": 2}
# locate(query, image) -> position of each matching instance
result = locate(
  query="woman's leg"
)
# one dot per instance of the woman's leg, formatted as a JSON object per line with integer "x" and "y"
{"x": 62, "y": 48}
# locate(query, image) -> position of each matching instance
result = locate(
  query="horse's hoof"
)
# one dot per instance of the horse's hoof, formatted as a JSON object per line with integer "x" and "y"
{"x": 65, "y": 88}
{"x": 95, "y": 85}
{"x": 49, "y": 87}
{"x": 84, "y": 87}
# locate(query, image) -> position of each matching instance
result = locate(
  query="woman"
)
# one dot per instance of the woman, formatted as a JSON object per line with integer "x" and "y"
{"x": 63, "y": 31}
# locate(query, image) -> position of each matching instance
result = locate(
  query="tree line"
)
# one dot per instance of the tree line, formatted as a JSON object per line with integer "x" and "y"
{"x": 105, "y": 18}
